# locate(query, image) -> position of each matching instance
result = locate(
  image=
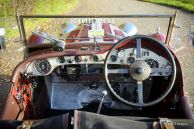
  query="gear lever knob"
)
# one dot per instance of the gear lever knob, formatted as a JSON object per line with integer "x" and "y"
{"x": 104, "y": 92}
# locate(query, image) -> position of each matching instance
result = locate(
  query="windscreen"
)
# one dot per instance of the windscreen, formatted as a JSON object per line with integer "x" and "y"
{"x": 91, "y": 29}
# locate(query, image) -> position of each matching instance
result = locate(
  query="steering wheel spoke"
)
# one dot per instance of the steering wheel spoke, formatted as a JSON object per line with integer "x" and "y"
{"x": 140, "y": 92}
{"x": 116, "y": 71}
{"x": 138, "y": 49}
{"x": 161, "y": 71}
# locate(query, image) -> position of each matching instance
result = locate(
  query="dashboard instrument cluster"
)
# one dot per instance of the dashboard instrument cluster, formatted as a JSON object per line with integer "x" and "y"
{"x": 118, "y": 57}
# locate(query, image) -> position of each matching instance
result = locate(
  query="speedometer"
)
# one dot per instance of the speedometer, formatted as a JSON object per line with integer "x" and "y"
{"x": 42, "y": 66}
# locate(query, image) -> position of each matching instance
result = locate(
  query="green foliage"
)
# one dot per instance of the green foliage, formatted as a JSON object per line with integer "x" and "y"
{"x": 53, "y": 6}
{"x": 46, "y": 7}
{"x": 6, "y": 8}
{"x": 187, "y": 5}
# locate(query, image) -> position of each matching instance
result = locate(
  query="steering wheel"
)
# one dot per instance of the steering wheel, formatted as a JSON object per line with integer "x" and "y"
{"x": 139, "y": 70}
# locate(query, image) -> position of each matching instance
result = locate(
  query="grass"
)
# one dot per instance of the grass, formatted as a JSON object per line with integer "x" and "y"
{"x": 187, "y": 5}
{"x": 46, "y": 7}
{"x": 53, "y": 6}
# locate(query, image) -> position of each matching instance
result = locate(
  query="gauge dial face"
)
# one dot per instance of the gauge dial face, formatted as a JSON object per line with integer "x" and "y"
{"x": 95, "y": 58}
{"x": 78, "y": 58}
{"x": 131, "y": 60}
{"x": 42, "y": 66}
{"x": 113, "y": 58}
{"x": 121, "y": 53}
{"x": 61, "y": 59}
{"x": 152, "y": 63}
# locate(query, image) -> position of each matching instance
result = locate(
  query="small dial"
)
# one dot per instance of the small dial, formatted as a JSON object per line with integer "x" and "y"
{"x": 61, "y": 59}
{"x": 78, "y": 58}
{"x": 94, "y": 58}
{"x": 152, "y": 63}
{"x": 113, "y": 58}
{"x": 42, "y": 66}
{"x": 121, "y": 53}
{"x": 131, "y": 60}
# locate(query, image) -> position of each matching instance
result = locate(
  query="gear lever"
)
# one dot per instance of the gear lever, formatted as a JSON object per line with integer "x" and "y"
{"x": 104, "y": 93}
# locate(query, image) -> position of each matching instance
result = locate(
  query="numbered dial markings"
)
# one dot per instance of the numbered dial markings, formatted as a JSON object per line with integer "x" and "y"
{"x": 42, "y": 66}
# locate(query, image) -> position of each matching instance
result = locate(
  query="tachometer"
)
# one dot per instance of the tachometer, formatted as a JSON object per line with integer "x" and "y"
{"x": 152, "y": 63}
{"x": 42, "y": 66}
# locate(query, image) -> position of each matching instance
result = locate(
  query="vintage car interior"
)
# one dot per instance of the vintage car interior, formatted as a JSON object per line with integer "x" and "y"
{"x": 127, "y": 73}
{"x": 133, "y": 82}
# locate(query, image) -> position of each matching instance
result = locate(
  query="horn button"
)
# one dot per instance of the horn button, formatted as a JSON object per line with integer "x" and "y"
{"x": 139, "y": 70}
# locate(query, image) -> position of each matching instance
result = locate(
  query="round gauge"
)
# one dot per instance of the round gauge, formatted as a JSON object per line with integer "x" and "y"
{"x": 121, "y": 53}
{"x": 61, "y": 59}
{"x": 152, "y": 63}
{"x": 78, "y": 58}
{"x": 131, "y": 60}
{"x": 113, "y": 58}
{"x": 42, "y": 66}
{"x": 94, "y": 58}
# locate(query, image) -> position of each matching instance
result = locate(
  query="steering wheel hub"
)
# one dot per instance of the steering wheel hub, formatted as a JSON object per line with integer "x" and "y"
{"x": 139, "y": 70}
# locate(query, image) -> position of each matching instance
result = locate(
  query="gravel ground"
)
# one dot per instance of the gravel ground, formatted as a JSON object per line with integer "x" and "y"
{"x": 13, "y": 54}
